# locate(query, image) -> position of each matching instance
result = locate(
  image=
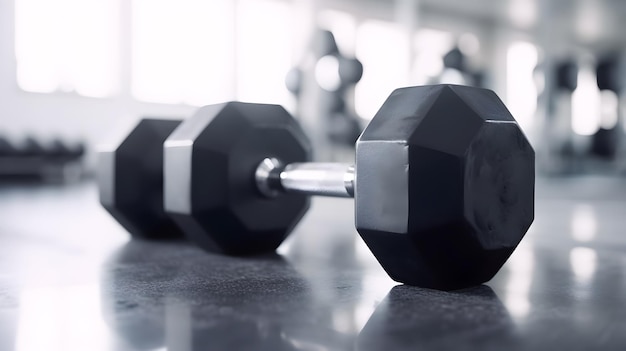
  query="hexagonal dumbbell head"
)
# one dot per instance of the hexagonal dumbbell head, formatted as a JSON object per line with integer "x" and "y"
{"x": 130, "y": 181}
{"x": 444, "y": 185}
{"x": 210, "y": 161}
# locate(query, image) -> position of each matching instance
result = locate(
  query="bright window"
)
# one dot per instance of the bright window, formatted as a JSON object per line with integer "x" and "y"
{"x": 183, "y": 51}
{"x": 521, "y": 91}
{"x": 383, "y": 50}
{"x": 586, "y": 109}
{"x": 430, "y": 47}
{"x": 67, "y": 45}
{"x": 343, "y": 26}
{"x": 264, "y": 50}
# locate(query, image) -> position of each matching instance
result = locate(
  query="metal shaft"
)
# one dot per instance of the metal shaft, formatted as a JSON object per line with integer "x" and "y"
{"x": 312, "y": 178}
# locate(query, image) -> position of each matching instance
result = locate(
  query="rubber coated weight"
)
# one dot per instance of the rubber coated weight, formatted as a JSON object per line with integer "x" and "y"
{"x": 444, "y": 186}
{"x": 209, "y": 165}
{"x": 130, "y": 178}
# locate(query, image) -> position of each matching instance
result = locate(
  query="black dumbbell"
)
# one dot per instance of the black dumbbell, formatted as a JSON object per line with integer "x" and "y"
{"x": 610, "y": 73}
{"x": 7, "y": 149}
{"x": 32, "y": 148}
{"x": 566, "y": 74}
{"x": 58, "y": 151}
{"x": 443, "y": 182}
{"x": 130, "y": 179}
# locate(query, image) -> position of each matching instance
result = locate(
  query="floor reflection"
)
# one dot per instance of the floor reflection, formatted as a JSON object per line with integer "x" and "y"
{"x": 221, "y": 303}
{"x": 419, "y": 319}
{"x": 69, "y": 285}
{"x": 153, "y": 300}
{"x": 520, "y": 269}
{"x": 583, "y": 262}
{"x": 583, "y": 224}
{"x": 61, "y": 319}
{"x": 574, "y": 297}
{"x": 9, "y": 316}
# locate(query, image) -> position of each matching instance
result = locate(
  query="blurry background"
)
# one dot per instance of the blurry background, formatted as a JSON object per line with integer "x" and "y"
{"x": 77, "y": 73}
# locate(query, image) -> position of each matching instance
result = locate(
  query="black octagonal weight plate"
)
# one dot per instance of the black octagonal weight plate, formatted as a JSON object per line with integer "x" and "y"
{"x": 458, "y": 178}
{"x": 210, "y": 162}
{"x": 130, "y": 181}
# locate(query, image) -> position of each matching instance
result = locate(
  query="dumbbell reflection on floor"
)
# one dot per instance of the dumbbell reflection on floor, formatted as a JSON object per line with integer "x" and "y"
{"x": 443, "y": 183}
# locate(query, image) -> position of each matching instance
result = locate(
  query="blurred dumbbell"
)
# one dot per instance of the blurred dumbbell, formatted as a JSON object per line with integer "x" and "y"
{"x": 31, "y": 147}
{"x": 59, "y": 151}
{"x": 610, "y": 75}
{"x": 130, "y": 178}
{"x": 443, "y": 182}
{"x": 567, "y": 75}
{"x": 350, "y": 70}
{"x": 7, "y": 149}
{"x": 455, "y": 59}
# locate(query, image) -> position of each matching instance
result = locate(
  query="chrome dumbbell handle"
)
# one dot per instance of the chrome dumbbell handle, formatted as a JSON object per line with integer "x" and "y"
{"x": 313, "y": 178}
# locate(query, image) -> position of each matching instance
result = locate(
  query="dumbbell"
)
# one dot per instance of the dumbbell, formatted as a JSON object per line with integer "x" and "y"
{"x": 61, "y": 152}
{"x": 130, "y": 180}
{"x": 443, "y": 182}
{"x": 7, "y": 149}
{"x": 31, "y": 147}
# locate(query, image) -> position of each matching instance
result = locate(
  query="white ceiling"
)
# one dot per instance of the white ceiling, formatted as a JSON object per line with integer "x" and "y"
{"x": 597, "y": 23}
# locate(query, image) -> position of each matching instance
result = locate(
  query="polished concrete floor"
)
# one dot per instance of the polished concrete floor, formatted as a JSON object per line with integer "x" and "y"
{"x": 71, "y": 280}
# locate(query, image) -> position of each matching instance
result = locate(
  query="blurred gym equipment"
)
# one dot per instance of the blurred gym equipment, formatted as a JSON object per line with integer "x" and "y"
{"x": 334, "y": 75}
{"x": 610, "y": 77}
{"x": 34, "y": 161}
